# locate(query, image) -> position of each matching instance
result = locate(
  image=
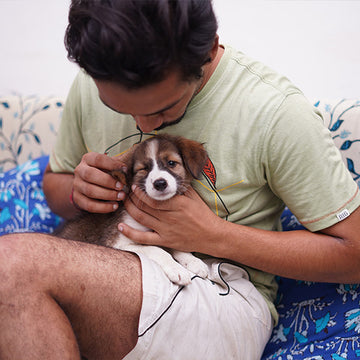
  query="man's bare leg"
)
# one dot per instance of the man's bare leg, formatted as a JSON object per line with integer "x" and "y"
{"x": 59, "y": 298}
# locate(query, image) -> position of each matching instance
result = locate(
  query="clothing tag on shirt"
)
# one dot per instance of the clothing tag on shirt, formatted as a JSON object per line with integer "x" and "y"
{"x": 343, "y": 215}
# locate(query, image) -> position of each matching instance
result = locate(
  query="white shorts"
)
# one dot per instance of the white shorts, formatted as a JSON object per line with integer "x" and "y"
{"x": 223, "y": 317}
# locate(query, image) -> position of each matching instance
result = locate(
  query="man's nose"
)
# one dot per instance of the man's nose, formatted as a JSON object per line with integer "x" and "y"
{"x": 147, "y": 124}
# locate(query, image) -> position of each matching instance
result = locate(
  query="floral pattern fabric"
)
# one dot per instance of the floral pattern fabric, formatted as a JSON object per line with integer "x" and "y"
{"x": 28, "y": 128}
{"x": 23, "y": 207}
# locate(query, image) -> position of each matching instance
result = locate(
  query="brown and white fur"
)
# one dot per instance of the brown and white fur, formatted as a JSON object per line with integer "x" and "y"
{"x": 162, "y": 167}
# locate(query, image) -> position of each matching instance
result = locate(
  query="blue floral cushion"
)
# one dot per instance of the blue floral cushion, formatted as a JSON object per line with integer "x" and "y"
{"x": 22, "y": 203}
{"x": 289, "y": 221}
{"x": 318, "y": 321}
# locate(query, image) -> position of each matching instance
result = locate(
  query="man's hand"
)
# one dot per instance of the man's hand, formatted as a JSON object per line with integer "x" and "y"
{"x": 94, "y": 189}
{"x": 183, "y": 222}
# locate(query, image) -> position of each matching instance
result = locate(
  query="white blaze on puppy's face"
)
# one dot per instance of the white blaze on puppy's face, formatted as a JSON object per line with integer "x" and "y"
{"x": 160, "y": 184}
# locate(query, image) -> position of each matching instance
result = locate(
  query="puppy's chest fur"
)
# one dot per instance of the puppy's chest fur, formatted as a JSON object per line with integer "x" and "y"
{"x": 162, "y": 167}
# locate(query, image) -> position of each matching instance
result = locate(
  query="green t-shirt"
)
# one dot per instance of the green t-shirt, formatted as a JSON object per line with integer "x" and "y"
{"x": 267, "y": 145}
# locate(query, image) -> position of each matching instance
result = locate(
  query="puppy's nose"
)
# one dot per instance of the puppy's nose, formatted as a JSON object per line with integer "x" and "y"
{"x": 160, "y": 184}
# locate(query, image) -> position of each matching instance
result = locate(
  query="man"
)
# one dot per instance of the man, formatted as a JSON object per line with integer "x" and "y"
{"x": 151, "y": 67}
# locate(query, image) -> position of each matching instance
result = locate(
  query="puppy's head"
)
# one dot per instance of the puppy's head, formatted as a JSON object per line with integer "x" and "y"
{"x": 164, "y": 165}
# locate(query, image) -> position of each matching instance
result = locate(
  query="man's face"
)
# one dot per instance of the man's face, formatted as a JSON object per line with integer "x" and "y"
{"x": 154, "y": 106}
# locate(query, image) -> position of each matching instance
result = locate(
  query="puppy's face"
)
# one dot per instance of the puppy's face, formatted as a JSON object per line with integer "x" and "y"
{"x": 163, "y": 166}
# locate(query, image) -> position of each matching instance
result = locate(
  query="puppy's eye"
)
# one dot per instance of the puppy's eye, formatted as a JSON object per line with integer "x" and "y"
{"x": 172, "y": 163}
{"x": 141, "y": 168}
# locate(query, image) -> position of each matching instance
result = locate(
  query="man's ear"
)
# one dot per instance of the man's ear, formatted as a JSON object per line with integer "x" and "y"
{"x": 214, "y": 49}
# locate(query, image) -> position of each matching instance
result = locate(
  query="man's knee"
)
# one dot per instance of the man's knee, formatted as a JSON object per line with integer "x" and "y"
{"x": 20, "y": 255}
{"x": 12, "y": 258}
{"x": 9, "y": 245}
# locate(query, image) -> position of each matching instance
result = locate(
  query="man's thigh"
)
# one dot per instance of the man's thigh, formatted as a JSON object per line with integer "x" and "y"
{"x": 223, "y": 317}
{"x": 98, "y": 289}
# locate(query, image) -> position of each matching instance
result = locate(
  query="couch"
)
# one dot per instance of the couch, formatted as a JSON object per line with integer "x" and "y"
{"x": 317, "y": 320}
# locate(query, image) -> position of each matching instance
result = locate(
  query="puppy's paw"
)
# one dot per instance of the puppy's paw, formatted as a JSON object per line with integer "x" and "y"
{"x": 197, "y": 267}
{"x": 179, "y": 276}
{"x": 192, "y": 263}
{"x": 172, "y": 269}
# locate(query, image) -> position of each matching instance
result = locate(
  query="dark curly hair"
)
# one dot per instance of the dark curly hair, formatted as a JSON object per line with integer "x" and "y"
{"x": 136, "y": 42}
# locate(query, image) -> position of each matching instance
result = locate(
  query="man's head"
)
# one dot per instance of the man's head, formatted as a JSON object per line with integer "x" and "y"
{"x": 136, "y": 43}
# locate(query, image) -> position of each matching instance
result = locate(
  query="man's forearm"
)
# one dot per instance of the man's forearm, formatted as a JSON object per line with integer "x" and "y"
{"x": 57, "y": 189}
{"x": 295, "y": 254}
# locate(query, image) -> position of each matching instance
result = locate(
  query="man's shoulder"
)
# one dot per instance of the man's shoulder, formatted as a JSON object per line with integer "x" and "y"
{"x": 257, "y": 76}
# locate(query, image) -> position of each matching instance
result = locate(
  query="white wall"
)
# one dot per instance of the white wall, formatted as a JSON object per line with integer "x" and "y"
{"x": 314, "y": 42}
{"x": 32, "y": 53}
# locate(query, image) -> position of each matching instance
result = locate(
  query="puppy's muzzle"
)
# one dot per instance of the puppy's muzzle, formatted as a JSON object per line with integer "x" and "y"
{"x": 160, "y": 184}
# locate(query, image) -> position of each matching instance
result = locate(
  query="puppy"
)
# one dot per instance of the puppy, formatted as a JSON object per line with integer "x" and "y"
{"x": 162, "y": 166}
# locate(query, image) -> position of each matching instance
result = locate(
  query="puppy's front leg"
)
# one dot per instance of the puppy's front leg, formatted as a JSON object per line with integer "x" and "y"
{"x": 191, "y": 262}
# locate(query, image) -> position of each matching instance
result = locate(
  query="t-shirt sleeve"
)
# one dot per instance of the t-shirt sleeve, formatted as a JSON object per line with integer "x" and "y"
{"x": 69, "y": 146}
{"x": 304, "y": 167}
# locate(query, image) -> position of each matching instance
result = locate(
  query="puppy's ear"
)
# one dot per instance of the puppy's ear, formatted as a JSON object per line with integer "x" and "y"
{"x": 125, "y": 177}
{"x": 122, "y": 177}
{"x": 193, "y": 154}
{"x": 127, "y": 156}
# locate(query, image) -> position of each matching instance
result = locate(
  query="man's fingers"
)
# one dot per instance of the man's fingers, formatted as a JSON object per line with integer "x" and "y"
{"x": 95, "y": 168}
{"x": 141, "y": 199}
{"x": 103, "y": 161}
{"x": 141, "y": 237}
{"x": 96, "y": 206}
{"x": 94, "y": 187}
{"x": 141, "y": 212}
